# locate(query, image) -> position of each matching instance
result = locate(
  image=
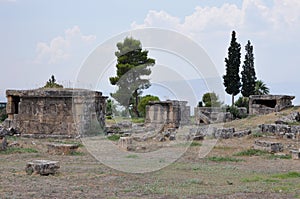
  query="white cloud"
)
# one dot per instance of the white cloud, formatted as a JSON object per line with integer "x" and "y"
{"x": 62, "y": 48}
{"x": 158, "y": 19}
{"x": 254, "y": 15}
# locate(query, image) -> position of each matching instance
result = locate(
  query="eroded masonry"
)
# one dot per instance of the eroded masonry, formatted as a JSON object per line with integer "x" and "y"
{"x": 54, "y": 112}
{"x": 171, "y": 113}
{"x": 265, "y": 104}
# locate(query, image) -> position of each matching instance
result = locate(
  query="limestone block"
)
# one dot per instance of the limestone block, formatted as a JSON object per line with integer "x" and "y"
{"x": 272, "y": 147}
{"x": 42, "y": 167}
{"x": 61, "y": 149}
{"x": 295, "y": 154}
{"x": 224, "y": 133}
{"x": 124, "y": 142}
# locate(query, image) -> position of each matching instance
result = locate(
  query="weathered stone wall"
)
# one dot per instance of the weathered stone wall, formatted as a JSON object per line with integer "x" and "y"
{"x": 171, "y": 114}
{"x": 61, "y": 112}
{"x": 265, "y": 104}
{"x": 281, "y": 130}
{"x": 209, "y": 115}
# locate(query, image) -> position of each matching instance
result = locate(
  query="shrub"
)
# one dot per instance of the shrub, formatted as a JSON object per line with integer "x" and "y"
{"x": 235, "y": 112}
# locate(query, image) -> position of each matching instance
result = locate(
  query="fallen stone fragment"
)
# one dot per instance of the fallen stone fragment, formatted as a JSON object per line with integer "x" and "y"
{"x": 3, "y": 144}
{"x": 272, "y": 147}
{"x": 125, "y": 142}
{"x": 61, "y": 149}
{"x": 42, "y": 167}
{"x": 295, "y": 154}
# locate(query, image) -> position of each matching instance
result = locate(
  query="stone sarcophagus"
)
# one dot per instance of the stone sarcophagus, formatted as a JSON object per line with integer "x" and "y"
{"x": 265, "y": 104}
{"x": 55, "y": 112}
{"x": 170, "y": 114}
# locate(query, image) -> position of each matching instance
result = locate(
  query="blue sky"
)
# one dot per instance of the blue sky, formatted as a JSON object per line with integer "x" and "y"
{"x": 41, "y": 38}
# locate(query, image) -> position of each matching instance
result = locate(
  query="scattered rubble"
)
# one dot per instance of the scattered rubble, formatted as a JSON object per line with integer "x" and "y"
{"x": 281, "y": 127}
{"x": 272, "y": 147}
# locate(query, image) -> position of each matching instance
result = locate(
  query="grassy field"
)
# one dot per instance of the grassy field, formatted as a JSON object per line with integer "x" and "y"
{"x": 233, "y": 169}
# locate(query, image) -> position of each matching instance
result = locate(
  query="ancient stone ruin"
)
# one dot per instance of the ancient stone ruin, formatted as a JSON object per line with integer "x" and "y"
{"x": 265, "y": 104}
{"x": 208, "y": 115}
{"x": 54, "y": 112}
{"x": 272, "y": 147}
{"x": 42, "y": 167}
{"x": 169, "y": 114}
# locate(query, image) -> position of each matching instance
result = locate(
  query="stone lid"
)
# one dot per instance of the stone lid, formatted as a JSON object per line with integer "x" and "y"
{"x": 271, "y": 97}
{"x": 53, "y": 92}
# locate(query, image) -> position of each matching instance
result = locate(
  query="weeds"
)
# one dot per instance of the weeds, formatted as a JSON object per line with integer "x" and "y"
{"x": 224, "y": 159}
{"x": 114, "y": 137}
{"x": 132, "y": 156}
{"x": 195, "y": 144}
{"x": 291, "y": 174}
{"x": 18, "y": 150}
{"x": 251, "y": 152}
{"x": 138, "y": 120}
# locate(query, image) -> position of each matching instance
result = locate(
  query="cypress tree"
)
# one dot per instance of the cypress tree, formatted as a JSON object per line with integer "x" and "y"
{"x": 231, "y": 78}
{"x": 248, "y": 73}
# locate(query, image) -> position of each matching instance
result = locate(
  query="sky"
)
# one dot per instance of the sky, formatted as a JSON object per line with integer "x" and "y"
{"x": 39, "y": 38}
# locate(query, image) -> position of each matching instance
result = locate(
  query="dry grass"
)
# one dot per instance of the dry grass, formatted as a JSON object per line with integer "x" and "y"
{"x": 252, "y": 122}
{"x": 219, "y": 175}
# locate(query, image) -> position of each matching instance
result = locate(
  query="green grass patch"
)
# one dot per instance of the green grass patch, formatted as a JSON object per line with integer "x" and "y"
{"x": 257, "y": 134}
{"x": 114, "y": 137}
{"x": 259, "y": 179}
{"x": 291, "y": 174}
{"x": 18, "y": 150}
{"x": 224, "y": 159}
{"x": 193, "y": 181}
{"x": 223, "y": 148}
{"x": 294, "y": 123}
{"x": 77, "y": 153}
{"x": 133, "y": 156}
{"x": 270, "y": 180}
{"x": 138, "y": 120}
{"x": 285, "y": 157}
{"x": 195, "y": 144}
{"x": 252, "y": 179}
{"x": 251, "y": 152}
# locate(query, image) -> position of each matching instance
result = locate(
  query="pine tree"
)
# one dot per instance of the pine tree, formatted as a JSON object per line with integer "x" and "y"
{"x": 248, "y": 73}
{"x": 231, "y": 78}
{"x": 133, "y": 65}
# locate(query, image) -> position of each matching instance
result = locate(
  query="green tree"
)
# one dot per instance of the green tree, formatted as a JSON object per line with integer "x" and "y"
{"x": 211, "y": 100}
{"x": 51, "y": 83}
{"x": 110, "y": 108}
{"x": 248, "y": 73}
{"x": 242, "y": 102}
{"x": 261, "y": 88}
{"x": 143, "y": 103}
{"x": 133, "y": 65}
{"x": 231, "y": 78}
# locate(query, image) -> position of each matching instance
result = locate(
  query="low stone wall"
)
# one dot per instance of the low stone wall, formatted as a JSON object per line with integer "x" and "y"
{"x": 272, "y": 147}
{"x": 281, "y": 130}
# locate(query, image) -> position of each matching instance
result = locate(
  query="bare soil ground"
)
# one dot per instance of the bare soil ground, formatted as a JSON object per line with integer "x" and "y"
{"x": 221, "y": 174}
